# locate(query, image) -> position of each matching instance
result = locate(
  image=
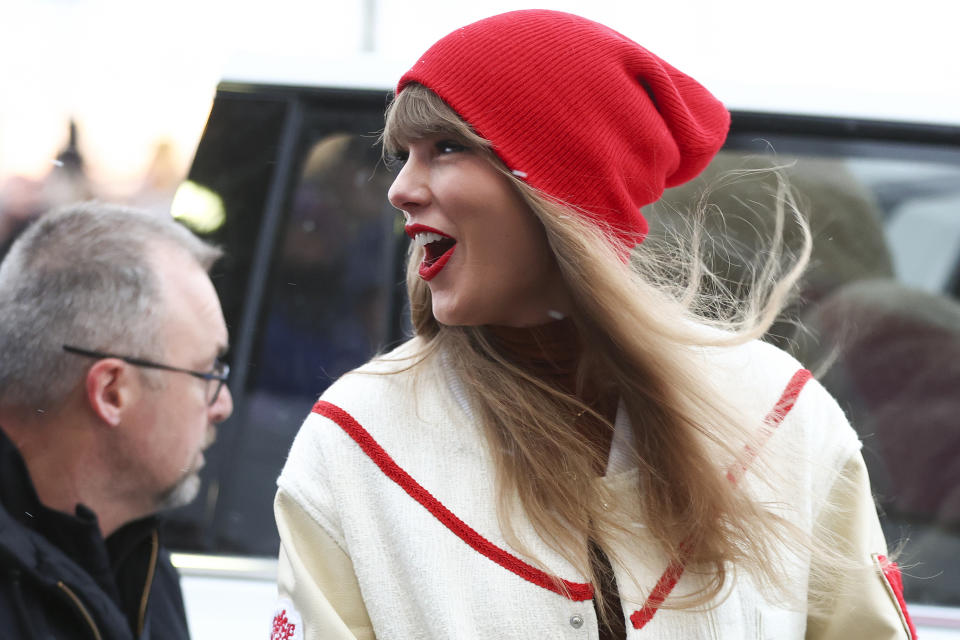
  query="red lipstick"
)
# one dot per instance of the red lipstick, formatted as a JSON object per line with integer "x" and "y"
{"x": 437, "y": 248}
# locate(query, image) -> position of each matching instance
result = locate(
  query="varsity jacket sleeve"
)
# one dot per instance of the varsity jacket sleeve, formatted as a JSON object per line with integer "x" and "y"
{"x": 316, "y": 576}
{"x": 865, "y": 607}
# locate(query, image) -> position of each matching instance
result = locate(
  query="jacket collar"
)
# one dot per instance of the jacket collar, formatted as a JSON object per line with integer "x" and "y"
{"x": 57, "y": 546}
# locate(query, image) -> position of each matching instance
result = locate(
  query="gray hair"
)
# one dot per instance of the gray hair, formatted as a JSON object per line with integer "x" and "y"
{"x": 82, "y": 275}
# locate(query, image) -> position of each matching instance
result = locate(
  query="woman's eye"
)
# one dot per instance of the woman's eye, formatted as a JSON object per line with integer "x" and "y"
{"x": 449, "y": 146}
{"x": 396, "y": 160}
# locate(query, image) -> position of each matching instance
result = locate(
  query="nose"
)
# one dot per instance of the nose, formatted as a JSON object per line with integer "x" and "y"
{"x": 410, "y": 189}
{"x": 223, "y": 407}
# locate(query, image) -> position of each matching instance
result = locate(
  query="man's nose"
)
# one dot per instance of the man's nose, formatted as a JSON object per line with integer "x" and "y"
{"x": 223, "y": 407}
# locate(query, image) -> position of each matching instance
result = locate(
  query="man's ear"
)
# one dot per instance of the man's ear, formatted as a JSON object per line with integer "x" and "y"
{"x": 112, "y": 386}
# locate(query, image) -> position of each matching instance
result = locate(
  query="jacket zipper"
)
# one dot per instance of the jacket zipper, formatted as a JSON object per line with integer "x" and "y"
{"x": 151, "y": 570}
{"x": 83, "y": 610}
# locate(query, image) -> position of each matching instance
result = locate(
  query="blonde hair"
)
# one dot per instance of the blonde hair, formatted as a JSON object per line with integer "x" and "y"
{"x": 643, "y": 322}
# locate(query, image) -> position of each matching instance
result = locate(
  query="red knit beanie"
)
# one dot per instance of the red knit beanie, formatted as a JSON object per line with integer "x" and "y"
{"x": 577, "y": 110}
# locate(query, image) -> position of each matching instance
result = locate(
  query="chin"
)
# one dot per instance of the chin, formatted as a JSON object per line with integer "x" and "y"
{"x": 454, "y": 317}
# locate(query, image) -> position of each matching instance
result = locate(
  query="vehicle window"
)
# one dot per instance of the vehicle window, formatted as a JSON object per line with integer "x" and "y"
{"x": 879, "y": 316}
{"x": 330, "y": 301}
{"x": 224, "y": 198}
{"x": 223, "y": 201}
{"x": 294, "y": 192}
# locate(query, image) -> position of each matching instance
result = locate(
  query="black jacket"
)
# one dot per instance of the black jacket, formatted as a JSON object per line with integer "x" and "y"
{"x": 59, "y": 579}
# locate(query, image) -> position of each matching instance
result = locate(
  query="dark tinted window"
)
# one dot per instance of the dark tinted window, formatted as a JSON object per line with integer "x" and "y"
{"x": 224, "y": 201}
{"x": 235, "y": 165}
{"x": 310, "y": 284}
{"x": 329, "y": 304}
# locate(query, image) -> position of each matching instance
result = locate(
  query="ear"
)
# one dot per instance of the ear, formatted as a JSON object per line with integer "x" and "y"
{"x": 112, "y": 386}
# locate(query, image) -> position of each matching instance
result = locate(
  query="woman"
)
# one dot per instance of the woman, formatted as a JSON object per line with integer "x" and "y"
{"x": 568, "y": 447}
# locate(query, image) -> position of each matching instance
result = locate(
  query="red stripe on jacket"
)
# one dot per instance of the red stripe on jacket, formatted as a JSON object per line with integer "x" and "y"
{"x": 671, "y": 576}
{"x": 573, "y": 590}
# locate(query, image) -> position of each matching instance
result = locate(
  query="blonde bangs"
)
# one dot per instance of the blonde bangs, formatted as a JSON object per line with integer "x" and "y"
{"x": 417, "y": 112}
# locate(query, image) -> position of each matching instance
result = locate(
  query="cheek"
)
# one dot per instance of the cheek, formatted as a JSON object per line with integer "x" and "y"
{"x": 517, "y": 274}
{"x": 188, "y": 448}
{"x": 188, "y": 417}
{"x": 523, "y": 248}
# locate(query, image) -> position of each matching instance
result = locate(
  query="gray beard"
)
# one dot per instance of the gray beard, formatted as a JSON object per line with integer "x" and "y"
{"x": 182, "y": 493}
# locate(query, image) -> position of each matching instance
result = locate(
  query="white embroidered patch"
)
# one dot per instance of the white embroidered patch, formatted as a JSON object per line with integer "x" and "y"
{"x": 287, "y": 624}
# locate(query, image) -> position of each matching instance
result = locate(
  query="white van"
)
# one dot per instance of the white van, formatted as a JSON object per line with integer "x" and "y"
{"x": 287, "y": 179}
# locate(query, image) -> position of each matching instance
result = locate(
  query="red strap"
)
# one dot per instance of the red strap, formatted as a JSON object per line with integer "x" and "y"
{"x": 891, "y": 573}
{"x": 671, "y": 576}
{"x": 573, "y": 590}
{"x": 661, "y": 590}
{"x": 773, "y": 419}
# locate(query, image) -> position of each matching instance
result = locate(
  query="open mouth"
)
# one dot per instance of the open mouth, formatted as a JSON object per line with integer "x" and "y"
{"x": 437, "y": 249}
{"x": 434, "y": 246}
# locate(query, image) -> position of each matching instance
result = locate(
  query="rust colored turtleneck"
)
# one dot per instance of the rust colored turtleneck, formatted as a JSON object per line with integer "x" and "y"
{"x": 551, "y": 352}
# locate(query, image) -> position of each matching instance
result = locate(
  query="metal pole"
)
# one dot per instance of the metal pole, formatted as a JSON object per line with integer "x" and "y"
{"x": 369, "y": 23}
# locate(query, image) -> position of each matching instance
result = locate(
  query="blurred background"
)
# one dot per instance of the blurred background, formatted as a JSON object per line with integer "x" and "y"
{"x": 107, "y": 98}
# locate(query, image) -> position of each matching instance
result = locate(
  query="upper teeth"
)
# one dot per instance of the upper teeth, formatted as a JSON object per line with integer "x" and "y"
{"x": 425, "y": 238}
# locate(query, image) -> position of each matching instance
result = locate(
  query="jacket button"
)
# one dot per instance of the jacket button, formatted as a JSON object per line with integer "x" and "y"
{"x": 576, "y": 621}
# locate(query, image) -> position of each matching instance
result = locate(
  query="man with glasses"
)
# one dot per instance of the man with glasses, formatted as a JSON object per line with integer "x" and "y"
{"x": 111, "y": 386}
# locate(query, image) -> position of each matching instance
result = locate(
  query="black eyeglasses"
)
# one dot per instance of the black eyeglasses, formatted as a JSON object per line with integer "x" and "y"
{"x": 220, "y": 373}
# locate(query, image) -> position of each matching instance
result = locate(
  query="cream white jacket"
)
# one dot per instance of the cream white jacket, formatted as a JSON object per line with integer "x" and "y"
{"x": 387, "y": 516}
